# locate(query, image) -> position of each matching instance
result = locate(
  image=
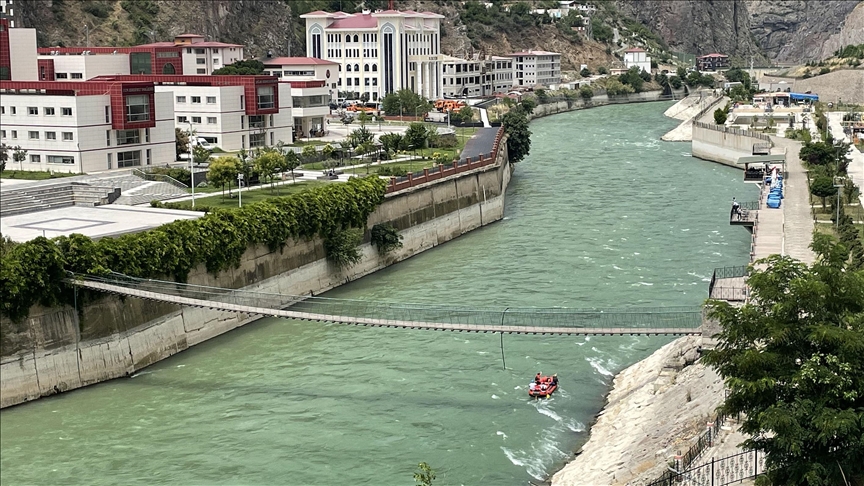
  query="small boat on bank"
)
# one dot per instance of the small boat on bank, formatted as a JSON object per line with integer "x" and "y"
{"x": 543, "y": 386}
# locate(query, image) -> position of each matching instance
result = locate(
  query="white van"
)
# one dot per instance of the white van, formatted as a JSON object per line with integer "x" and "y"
{"x": 202, "y": 142}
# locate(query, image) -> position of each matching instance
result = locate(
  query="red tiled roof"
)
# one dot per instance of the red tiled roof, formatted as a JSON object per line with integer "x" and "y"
{"x": 316, "y": 13}
{"x": 712, "y": 55}
{"x": 533, "y": 53}
{"x": 635, "y": 49}
{"x": 357, "y": 21}
{"x": 295, "y": 61}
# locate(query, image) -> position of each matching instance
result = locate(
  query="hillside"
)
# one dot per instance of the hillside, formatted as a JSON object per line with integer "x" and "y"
{"x": 767, "y": 30}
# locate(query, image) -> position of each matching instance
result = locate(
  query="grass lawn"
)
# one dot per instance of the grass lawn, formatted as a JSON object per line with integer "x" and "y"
{"x": 33, "y": 175}
{"x": 248, "y": 196}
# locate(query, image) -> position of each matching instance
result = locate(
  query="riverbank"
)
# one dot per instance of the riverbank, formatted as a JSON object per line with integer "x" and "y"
{"x": 653, "y": 409}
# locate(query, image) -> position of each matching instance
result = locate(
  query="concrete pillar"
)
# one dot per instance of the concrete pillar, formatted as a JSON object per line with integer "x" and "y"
{"x": 420, "y": 79}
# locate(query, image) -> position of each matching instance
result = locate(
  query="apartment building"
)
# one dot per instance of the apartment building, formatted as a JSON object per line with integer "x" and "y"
{"x": 87, "y": 126}
{"x": 462, "y": 77}
{"x": 536, "y": 68}
{"x": 17, "y": 45}
{"x": 637, "y": 57}
{"x": 380, "y": 52}
{"x": 501, "y": 75}
{"x": 313, "y": 86}
{"x": 231, "y": 112}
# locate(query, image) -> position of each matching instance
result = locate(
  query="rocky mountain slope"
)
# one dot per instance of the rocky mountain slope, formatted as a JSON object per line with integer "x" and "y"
{"x": 775, "y": 30}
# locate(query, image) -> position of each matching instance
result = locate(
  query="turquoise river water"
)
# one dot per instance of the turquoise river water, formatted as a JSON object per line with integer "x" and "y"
{"x": 602, "y": 213}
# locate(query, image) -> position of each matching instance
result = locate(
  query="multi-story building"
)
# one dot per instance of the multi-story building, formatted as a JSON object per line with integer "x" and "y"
{"x": 462, "y": 77}
{"x": 87, "y": 126}
{"x": 380, "y": 52}
{"x": 712, "y": 62}
{"x": 500, "y": 70}
{"x": 313, "y": 86}
{"x": 231, "y": 112}
{"x": 17, "y": 46}
{"x": 536, "y": 68}
{"x": 188, "y": 54}
{"x": 637, "y": 57}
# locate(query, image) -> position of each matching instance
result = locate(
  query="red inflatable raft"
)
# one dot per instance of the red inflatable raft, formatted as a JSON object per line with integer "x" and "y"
{"x": 545, "y": 388}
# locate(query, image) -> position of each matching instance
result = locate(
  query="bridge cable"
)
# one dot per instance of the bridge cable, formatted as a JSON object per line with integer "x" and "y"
{"x": 503, "y": 363}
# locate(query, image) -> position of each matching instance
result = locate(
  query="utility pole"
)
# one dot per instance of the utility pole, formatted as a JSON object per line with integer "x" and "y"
{"x": 191, "y": 160}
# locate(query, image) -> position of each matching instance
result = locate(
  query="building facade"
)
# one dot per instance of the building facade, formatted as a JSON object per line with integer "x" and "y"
{"x": 536, "y": 68}
{"x": 17, "y": 48}
{"x": 86, "y": 126}
{"x": 712, "y": 62}
{"x": 380, "y": 52}
{"x": 312, "y": 85}
{"x": 637, "y": 57}
{"x": 462, "y": 77}
{"x": 501, "y": 75}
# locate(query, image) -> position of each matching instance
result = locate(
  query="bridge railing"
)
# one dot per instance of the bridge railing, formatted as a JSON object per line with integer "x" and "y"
{"x": 598, "y": 318}
{"x": 726, "y": 272}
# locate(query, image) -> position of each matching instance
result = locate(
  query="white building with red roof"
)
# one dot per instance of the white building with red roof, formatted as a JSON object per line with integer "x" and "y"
{"x": 380, "y": 52}
{"x": 313, "y": 85}
{"x": 637, "y": 57}
{"x": 536, "y": 68}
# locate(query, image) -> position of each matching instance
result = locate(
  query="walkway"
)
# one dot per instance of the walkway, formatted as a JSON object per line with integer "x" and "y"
{"x": 797, "y": 226}
{"x": 635, "y": 321}
{"x": 856, "y": 167}
{"x": 481, "y": 143}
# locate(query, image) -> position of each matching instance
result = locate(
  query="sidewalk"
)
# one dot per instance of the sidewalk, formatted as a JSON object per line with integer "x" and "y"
{"x": 856, "y": 167}
{"x": 797, "y": 220}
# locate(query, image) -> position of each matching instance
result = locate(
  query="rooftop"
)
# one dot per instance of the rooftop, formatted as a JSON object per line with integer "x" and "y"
{"x": 714, "y": 54}
{"x": 295, "y": 61}
{"x": 533, "y": 53}
{"x": 635, "y": 49}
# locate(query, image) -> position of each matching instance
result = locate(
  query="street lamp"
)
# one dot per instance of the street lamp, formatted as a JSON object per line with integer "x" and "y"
{"x": 191, "y": 159}
{"x": 240, "y": 190}
{"x": 838, "y": 183}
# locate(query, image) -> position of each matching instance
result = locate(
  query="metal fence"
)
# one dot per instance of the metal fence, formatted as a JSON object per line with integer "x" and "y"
{"x": 149, "y": 176}
{"x": 726, "y": 273}
{"x": 717, "y": 472}
{"x": 733, "y": 131}
{"x": 633, "y": 318}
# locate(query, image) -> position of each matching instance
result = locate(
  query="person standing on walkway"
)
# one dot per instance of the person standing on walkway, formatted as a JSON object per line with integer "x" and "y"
{"x": 736, "y": 210}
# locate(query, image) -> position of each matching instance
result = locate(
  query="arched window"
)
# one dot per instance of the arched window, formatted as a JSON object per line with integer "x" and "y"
{"x": 168, "y": 68}
{"x": 374, "y": 68}
{"x": 356, "y": 38}
{"x": 366, "y": 67}
{"x": 348, "y": 67}
{"x": 357, "y": 68}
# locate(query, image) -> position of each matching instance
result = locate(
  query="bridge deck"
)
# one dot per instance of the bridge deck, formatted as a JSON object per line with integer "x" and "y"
{"x": 373, "y": 322}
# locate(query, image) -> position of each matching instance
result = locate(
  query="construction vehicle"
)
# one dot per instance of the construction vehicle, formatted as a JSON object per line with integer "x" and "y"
{"x": 449, "y": 105}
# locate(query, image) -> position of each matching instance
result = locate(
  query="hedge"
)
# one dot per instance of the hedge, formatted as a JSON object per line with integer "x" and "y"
{"x": 33, "y": 272}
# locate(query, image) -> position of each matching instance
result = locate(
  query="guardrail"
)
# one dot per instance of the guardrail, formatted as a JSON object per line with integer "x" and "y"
{"x": 705, "y": 110}
{"x": 718, "y": 472}
{"x": 733, "y": 131}
{"x": 682, "y": 462}
{"x": 726, "y": 272}
{"x": 149, "y": 176}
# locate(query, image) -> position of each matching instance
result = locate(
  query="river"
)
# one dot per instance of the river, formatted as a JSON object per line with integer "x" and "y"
{"x": 602, "y": 213}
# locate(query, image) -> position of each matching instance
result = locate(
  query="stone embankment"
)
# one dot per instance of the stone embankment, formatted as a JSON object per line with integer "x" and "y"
{"x": 697, "y": 106}
{"x": 656, "y": 409}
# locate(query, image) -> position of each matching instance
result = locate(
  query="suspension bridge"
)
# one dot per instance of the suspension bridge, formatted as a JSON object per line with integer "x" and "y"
{"x": 510, "y": 320}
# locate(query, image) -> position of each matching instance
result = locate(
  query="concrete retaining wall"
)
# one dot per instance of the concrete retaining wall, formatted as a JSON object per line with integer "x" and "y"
{"x": 598, "y": 100}
{"x": 724, "y": 147}
{"x": 60, "y": 349}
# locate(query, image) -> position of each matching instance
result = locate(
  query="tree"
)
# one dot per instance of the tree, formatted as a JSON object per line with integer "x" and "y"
{"x": 291, "y": 161}
{"x": 222, "y": 171}
{"x": 585, "y": 72}
{"x": 818, "y": 153}
{"x": 19, "y": 154}
{"x": 309, "y": 153}
{"x": 4, "y": 155}
{"x": 416, "y": 135}
{"x": 391, "y": 142}
{"x": 675, "y": 82}
{"x": 405, "y": 102}
{"x": 633, "y": 78}
{"x": 720, "y": 116}
{"x": 738, "y": 75}
{"x": 793, "y": 365}
{"x": 465, "y": 114}
{"x": 360, "y": 136}
{"x": 602, "y": 70}
{"x": 527, "y": 105}
{"x": 247, "y": 66}
{"x": 515, "y": 124}
{"x": 268, "y": 164}
{"x": 586, "y": 93}
{"x": 181, "y": 142}
{"x": 542, "y": 96}
{"x": 739, "y": 93}
{"x": 200, "y": 155}
{"x": 822, "y": 187}
{"x": 615, "y": 87}
{"x": 327, "y": 151}
{"x": 681, "y": 73}
{"x": 425, "y": 476}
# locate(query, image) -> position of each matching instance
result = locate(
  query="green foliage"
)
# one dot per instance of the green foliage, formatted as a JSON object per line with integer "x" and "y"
{"x": 615, "y": 87}
{"x": 800, "y": 134}
{"x": 268, "y": 164}
{"x": 720, "y": 116}
{"x": 392, "y": 171}
{"x": 793, "y": 365}
{"x": 822, "y": 187}
{"x": 200, "y": 155}
{"x": 310, "y": 153}
{"x": 740, "y": 94}
{"x": 826, "y": 154}
{"x": 586, "y": 93}
{"x": 633, "y": 79}
{"x": 527, "y": 105}
{"x": 600, "y": 31}
{"x": 224, "y": 170}
{"x": 585, "y": 72}
{"x": 181, "y": 142}
{"x": 177, "y": 173}
{"x": 425, "y": 476}
{"x": 405, "y": 102}
{"x": 385, "y": 237}
{"x": 542, "y": 96}
{"x": 341, "y": 247}
{"x": 6, "y": 245}
{"x": 602, "y": 70}
{"x": 141, "y": 14}
{"x": 416, "y": 135}
{"x": 515, "y": 123}
{"x": 464, "y": 115}
{"x": 391, "y": 142}
{"x": 738, "y": 75}
{"x": 852, "y": 51}
{"x": 33, "y": 272}
{"x": 696, "y": 78}
{"x": 97, "y": 9}
{"x": 245, "y": 66}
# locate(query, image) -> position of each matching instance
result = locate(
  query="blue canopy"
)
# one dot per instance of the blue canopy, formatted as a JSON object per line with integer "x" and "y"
{"x": 803, "y": 96}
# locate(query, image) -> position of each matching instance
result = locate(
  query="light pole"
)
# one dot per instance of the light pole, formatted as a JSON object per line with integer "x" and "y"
{"x": 240, "y": 190}
{"x": 191, "y": 160}
{"x": 838, "y": 184}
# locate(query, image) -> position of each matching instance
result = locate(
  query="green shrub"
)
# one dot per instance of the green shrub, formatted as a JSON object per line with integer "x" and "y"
{"x": 386, "y": 238}
{"x": 341, "y": 247}
{"x": 33, "y": 272}
{"x": 97, "y": 9}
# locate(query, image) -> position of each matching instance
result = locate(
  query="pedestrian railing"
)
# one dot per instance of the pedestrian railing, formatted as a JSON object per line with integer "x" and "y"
{"x": 148, "y": 176}
{"x": 717, "y": 471}
{"x": 723, "y": 273}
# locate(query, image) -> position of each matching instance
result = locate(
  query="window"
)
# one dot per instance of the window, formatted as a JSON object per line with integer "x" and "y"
{"x": 182, "y": 119}
{"x": 266, "y": 99}
{"x": 181, "y": 99}
{"x": 147, "y": 135}
{"x": 13, "y": 110}
{"x": 256, "y": 121}
{"x": 349, "y": 82}
{"x": 67, "y": 136}
{"x": 35, "y": 159}
{"x": 241, "y": 122}
{"x": 14, "y": 134}
{"x": 33, "y": 135}
{"x": 137, "y": 108}
{"x": 126, "y": 137}
{"x": 211, "y": 100}
{"x": 66, "y": 111}
{"x": 50, "y": 135}
{"x": 348, "y": 67}
{"x": 61, "y": 76}
{"x": 148, "y": 156}
{"x": 77, "y": 76}
{"x": 201, "y": 71}
{"x": 61, "y": 159}
{"x": 107, "y": 114}
{"x": 200, "y": 61}
{"x": 257, "y": 140}
{"x": 48, "y": 111}
{"x": 243, "y": 141}
{"x": 211, "y": 120}
{"x": 199, "y": 51}
{"x": 196, "y": 99}
{"x": 32, "y": 110}
{"x": 215, "y": 60}
{"x": 109, "y": 161}
{"x": 107, "y": 138}
{"x": 2, "y": 133}
{"x": 2, "y": 110}
{"x": 196, "y": 119}
{"x": 128, "y": 159}
{"x": 356, "y": 81}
